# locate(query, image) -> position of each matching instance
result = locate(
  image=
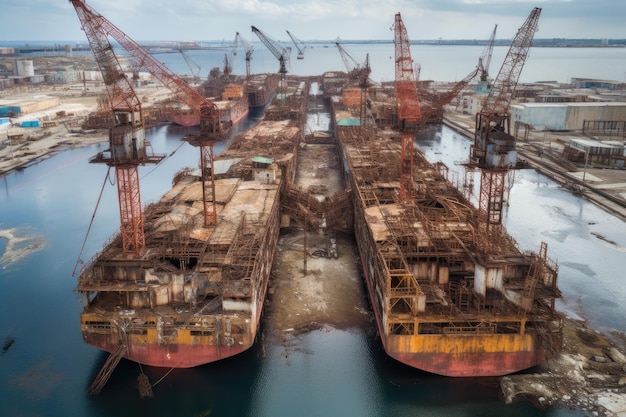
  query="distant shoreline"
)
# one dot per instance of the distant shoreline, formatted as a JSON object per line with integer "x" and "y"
{"x": 23, "y": 47}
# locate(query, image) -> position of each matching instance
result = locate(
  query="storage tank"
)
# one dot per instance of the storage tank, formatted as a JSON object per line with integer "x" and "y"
{"x": 25, "y": 68}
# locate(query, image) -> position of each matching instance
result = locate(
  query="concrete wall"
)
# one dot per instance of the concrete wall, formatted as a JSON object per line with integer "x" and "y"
{"x": 566, "y": 116}
{"x": 540, "y": 115}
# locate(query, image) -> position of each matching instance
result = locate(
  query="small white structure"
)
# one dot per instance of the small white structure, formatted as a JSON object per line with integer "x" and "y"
{"x": 25, "y": 68}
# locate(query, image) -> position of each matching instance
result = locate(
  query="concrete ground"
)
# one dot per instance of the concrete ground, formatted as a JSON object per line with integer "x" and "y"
{"x": 602, "y": 186}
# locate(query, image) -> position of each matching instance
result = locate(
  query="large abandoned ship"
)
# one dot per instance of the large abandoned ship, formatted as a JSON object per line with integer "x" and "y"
{"x": 195, "y": 295}
{"x": 442, "y": 304}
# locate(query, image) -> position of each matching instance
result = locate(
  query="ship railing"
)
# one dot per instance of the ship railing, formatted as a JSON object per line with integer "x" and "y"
{"x": 485, "y": 328}
{"x": 91, "y": 261}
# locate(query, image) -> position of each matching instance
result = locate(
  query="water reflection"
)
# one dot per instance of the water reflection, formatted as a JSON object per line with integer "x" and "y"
{"x": 587, "y": 242}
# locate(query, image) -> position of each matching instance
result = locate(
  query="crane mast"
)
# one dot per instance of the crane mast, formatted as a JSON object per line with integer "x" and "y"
{"x": 211, "y": 128}
{"x": 494, "y": 150}
{"x": 127, "y": 139}
{"x": 281, "y": 54}
{"x": 407, "y": 102}
{"x": 300, "y": 46}
{"x": 248, "y": 49}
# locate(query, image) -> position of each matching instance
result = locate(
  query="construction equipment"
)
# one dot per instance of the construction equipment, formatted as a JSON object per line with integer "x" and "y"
{"x": 128, "y": 147}
{"x": 485, "y": 59}
{"x": 494, "y": 150}
{"x": 433, "y": 106}
{"x": 282, "y": 54}
{"x": 300, "y": 46}
{"x": 407, "y": 102}
{"x": 359, "y": 73}
{"x": 211, "y": 126}
{"x": 193, "y": 66}
{"x": 356, "y": 70}
{"x": 248, "y": 49}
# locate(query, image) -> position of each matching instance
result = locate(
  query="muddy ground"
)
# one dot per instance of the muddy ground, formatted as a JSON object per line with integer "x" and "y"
{"x": 306, "y": 295}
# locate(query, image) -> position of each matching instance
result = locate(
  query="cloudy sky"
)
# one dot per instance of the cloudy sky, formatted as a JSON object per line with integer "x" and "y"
{"x": 145, "y": 20}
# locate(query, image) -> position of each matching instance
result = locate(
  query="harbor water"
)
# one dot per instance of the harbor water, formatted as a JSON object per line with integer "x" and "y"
{"x": 49, "y": 206}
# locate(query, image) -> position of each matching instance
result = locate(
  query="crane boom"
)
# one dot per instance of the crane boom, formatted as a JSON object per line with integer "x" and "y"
{"x": 407, "y": 101}
{"x": 485, "y": 59}
{"x": 127, "y": 139}
{"x": 406, "y": 87}
{"x": 352, "y": 65}
{"x": 193, "y": 66}
{"x": 281, "y": 53}
{"x": 501, "y": 94}
{"x": 300, "y": 46}
{"x": 248, "y": 49}
{"x": 209, "y": 113}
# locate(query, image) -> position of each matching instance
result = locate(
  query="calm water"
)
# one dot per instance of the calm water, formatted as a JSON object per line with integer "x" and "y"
{"x": 439, "y": 63}
{"x": 329, "y": 372}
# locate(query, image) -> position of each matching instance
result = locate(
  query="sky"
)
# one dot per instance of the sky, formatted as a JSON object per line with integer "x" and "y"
{"x": 196, "y": 20}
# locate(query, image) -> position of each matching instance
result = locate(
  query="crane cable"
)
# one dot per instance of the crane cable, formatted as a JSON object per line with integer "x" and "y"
{"x": 107, "y": 177}
{"x": 79, "y": 261}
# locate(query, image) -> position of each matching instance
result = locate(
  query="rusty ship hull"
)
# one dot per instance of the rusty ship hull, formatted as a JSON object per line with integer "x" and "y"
{"x": 462, "y": 356}
{"x": 196, "y": 294}
{"x": 449, "y": 297}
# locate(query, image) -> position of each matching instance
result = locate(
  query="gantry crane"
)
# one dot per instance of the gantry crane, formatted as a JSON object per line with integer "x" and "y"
{"x": 282, "y": 54}
{"x": 300, "y": 46}
{"x": 407, "y": 102}
{"x": 248, "y": 49}
{"x": 211, "y": 127}
{"x": 128, "y": 147}
{"x": 494, "y": 150}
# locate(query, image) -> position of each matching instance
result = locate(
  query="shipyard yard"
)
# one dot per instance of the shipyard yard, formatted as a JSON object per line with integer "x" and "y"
{"x": 305, "y": 293}
{"x": 321, "y": 239}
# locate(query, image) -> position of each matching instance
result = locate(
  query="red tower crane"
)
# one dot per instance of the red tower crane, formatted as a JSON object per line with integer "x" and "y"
{"x": 211, "y": 126}
{"x": 494, "y": 150}
{"x": 407, "y": 102}
{"x": 127, "y": 140}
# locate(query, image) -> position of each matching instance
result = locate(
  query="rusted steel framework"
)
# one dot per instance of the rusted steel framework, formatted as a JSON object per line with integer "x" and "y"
{"x": 406, "y": 88}
{"x": 494, "y": 147}
{"x": 127, "y": 143}
{"x": 144, "y": 59}
{"x": 409, "y": 112}
{"x": 425, "y": 270}
{"x": 211, "y": 128}
{"x": 501, "y": 94}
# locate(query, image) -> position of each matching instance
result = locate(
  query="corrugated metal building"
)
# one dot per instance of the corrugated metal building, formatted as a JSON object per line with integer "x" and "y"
{"x": 565, "y": 116}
